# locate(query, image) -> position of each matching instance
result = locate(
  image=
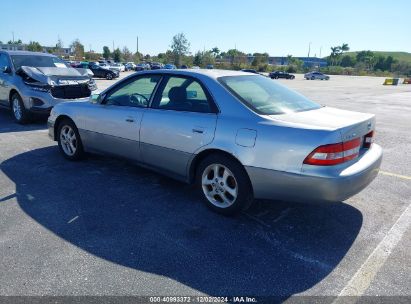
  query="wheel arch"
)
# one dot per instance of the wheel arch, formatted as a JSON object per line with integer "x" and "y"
{"x": 202, "y": 155}
{"x": 58, "y": 121}
{"x": 11, "y": 93}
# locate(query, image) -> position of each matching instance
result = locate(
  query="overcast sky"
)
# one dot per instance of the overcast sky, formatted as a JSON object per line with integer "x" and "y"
{"x": 276, "y": 27}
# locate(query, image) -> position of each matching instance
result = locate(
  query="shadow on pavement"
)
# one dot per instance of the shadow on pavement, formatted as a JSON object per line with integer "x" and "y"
{"x": 7, "y": 123}
{"x": 139, "y": 219}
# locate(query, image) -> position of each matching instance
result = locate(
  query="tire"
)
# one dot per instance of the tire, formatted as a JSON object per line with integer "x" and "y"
{"x": 292, "y": 77}
{"x": 109, "y": 76}
{"x": 20, "y": 113}
{"x": 228, "y": 193}
{"x": 312, "y": 78}
{"x": 69, "y": 140}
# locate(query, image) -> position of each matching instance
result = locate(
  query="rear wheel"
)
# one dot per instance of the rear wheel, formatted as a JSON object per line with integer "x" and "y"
{"x": 224, "y": 184}
{"x": 20, "y": 114}
{"x": 69, "y": 140}
{"x": 109, "y": 76}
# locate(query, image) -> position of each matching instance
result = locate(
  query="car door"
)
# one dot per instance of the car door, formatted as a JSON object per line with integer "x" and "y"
{"x": 99, "y": 71}
{"x": 5, "y": 79}
{"x": 113, "y": 126}
{"x": 181, "y": 120}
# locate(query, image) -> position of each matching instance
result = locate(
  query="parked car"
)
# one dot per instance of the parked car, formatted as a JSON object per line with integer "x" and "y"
{"x": 142, "y": 67}
{"x": 195, "y": 67}
{"x": 130, "y": 66}
{"x": 184, "y": 67}
{"x": 103, "y": 72}
{"x": 210, "y": 66}
{"x": 316, "y": 75}
{"x": 117, "y": 67}
{"x": 156, "y": 66}
{"x": 280, "y": 74}
{"x": 236, "y": 136}
{"x": 32, "y": 83}
{"x": 249, "y": 71}
{"x": 170, "y": 66}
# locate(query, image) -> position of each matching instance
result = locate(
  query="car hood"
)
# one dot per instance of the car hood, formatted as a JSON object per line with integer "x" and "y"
{"x": 56, "y": 76}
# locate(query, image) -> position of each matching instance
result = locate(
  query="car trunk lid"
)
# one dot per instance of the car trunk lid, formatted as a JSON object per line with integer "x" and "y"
{"x": 350, "y": 124}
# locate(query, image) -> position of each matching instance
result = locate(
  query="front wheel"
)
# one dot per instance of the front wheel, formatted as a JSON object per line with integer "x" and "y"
{"x": 109, "y": 76}
{"x": 69, "y": 140}
{"x": 224, "y": 184}
{"x": 20, "y": 114}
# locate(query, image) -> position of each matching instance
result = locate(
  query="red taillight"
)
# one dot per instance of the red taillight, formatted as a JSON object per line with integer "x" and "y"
{"x": 368, "y": 140}
{"x": 334, "y": 154}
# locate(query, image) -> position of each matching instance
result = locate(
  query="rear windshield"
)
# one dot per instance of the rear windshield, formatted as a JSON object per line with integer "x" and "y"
{"x": 36, "y": 61}
{"x": 265, "y": 96}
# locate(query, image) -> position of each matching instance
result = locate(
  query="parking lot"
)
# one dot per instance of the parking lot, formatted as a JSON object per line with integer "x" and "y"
{"x": 106, "y": 227}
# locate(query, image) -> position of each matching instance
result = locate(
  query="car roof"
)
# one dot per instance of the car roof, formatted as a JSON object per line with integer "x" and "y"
{"x": 27, "y": 53}
{"x": 203, "y": 72}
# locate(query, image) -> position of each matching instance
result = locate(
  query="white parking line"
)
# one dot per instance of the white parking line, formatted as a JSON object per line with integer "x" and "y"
{"x": 395, "y": 175}
{"x": 366, "y": 273}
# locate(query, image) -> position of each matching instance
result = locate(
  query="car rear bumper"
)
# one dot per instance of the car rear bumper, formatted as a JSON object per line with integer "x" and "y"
{"x": 308, "y": 188}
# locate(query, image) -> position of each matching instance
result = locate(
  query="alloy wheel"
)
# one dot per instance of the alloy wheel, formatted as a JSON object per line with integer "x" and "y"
{"x": 68, "y": 140}
{"x": 17, "y": 109}
{"x": 219, "y": 185}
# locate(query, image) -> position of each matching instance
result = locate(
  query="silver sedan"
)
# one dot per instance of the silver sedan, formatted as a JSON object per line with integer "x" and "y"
{"x": 237, "y": 136}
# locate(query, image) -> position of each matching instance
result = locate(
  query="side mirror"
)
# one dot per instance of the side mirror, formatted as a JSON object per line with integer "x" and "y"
{"x": 7, "y": 70}
{"x": 95, "y": 98}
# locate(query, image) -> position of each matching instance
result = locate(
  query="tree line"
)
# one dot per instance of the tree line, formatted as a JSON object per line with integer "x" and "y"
{"x": 365, "y": 62}
{"x": 339, "y": 62}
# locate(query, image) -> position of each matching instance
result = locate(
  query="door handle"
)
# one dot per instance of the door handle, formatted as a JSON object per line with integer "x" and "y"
{"x": 129, "y": 119}
{"x": 199, "y": 131}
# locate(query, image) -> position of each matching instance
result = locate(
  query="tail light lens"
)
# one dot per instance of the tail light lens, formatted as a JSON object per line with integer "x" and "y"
{"x": 329, "y": 155}
{"x": 368, "y": 140}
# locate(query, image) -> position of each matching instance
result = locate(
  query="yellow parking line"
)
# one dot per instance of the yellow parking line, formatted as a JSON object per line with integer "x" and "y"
{"x": 395, "y": 175}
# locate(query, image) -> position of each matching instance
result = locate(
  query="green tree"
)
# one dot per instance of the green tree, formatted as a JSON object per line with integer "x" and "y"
{"x": 92, "y": 56}
{"x": 347, "y": 61}
{"x": 198, "y": 59}
{"x": 127, "y": 55}
{"x": 106, "y": 52}
{"x": 335, "y": 54}
{"x": 59, "y": 47}
{"x": 361, "y": 56}
{"x": 117, "y": 55}
{"x": 34, "y": 46}
{"x": 78, "y": 49}
{"x": 260, "y": 59}
{"x": 344, "y": 47}
{"x": 15, "y": 42}
{"x": 179, "y": 46}
{"x": 215, "y": 51}
{"x": 208, "y": 58}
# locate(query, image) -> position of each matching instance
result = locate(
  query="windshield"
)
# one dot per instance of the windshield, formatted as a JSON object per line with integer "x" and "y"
{"x": 36, "y": 61}
{"x": 264, "y": 96}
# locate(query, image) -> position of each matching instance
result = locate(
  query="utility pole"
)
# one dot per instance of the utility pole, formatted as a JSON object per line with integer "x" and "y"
{"x": 309, "y": 49}
{"x": 12, "y": 33}
{"x": 137, "y": 46}
{"x": 113, "y": 45}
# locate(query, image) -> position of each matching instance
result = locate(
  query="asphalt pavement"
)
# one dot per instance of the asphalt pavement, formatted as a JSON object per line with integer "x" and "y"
{"x": 104, "y": 226}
